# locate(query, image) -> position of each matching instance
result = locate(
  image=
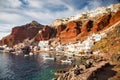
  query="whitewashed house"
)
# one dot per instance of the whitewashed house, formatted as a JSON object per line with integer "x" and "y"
{"x": 44, "y": 45}
{"x": 59, "y": 48}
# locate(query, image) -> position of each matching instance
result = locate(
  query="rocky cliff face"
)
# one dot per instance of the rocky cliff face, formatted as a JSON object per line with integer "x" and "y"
{"x": 102, "y": 22}
{"x": 20, "y": 33}
{"x": 70, "y": 32}
{"x": 44, "y": 34}
{"x": 60, "y": 28}
{"x": 75, "y": 30}
{"x": 86, "y": 28}
{"x": 115, "y": 18}
{"x": 88, "y": 22}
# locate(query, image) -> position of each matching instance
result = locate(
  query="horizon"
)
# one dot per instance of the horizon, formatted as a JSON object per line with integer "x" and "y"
{"x": 20, "y": 12}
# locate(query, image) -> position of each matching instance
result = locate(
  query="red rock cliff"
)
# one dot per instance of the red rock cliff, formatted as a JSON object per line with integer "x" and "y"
{"x": 85, "y": 28}
{"x": 44, "y": 34}
{"x": 60, "y": 28}
{"x": 115, "y": 18}
{"x": 102, "y": 22}
{"x": 20, "y": 33}
{"x": 70, "y": 32}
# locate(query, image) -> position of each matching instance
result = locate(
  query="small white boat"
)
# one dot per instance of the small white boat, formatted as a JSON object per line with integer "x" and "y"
{"x": 16, "y": 52}
{"x": 47, "y": 57}
{"x": 13, "y": 52}
{"x": 26, "y": 55}
{"x": 30, "y": 53}
{"x": 66, "y": 61}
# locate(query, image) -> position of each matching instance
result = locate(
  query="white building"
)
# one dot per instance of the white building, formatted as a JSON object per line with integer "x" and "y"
{"x": 44, "y": 45}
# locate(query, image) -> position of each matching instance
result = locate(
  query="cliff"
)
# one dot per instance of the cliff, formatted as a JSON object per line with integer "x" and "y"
{"x": 20, "y": 33}
{"x": 77, "y": 30}
{"x": 71, "y": 31}
{"x": 82, "y": 25}
{"x": 104, "y": 65}
{"x": 44, "y": 34}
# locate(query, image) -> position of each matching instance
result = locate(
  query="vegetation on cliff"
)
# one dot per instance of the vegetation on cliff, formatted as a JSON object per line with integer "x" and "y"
{"x": 110, "y": 46}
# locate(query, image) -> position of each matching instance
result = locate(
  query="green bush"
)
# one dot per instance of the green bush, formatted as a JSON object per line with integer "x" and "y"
{"x": 101, "y": 45}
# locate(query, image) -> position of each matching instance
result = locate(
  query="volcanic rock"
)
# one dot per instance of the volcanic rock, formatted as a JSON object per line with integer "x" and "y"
{"x": 20, "y": 33}
{"x": 86, "y": 27}
{"x": 101, "y": 23}
{"x": 60, "y": 28}
{"x": 44, "y": 34}
{"x": 115, "y": 17}
{"x": 71, "y": 31}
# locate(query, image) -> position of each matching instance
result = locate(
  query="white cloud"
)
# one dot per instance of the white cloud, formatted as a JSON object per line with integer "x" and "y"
{"x": 10, "y": 3}
{"x": 61, "y": 2}
{"x": 35, "y": 3}
{"x": 10, "y": 17}
{"x": 94, "y": 4}
{"x": 3, "y": 34}
{"x": 37, "y": 11}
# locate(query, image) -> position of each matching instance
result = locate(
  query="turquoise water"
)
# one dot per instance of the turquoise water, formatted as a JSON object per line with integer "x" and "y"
{"x": 14, "y": 67}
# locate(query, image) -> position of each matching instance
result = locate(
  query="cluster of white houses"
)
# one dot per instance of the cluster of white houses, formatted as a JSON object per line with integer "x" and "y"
{"x": 70, "y": 48}
{"x": 77, "y": 47}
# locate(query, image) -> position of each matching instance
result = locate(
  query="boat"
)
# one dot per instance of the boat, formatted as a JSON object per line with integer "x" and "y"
{"x": 66, "y": 61}
{"x": 16, "y": 52}
{"x": 30, "y": 53}
{"x": 13, "y": 52}
{"x": 1, "y": 48}
{"x": 47, "y": 57}
{"x": 25, "y": 55}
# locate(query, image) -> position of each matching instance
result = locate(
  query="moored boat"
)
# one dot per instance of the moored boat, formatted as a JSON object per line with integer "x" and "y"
{"x": 47, "y": 57}
{"x": 66, "y": 61}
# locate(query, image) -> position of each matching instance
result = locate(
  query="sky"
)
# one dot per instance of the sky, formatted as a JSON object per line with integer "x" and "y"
{"x": 20, "y": 12}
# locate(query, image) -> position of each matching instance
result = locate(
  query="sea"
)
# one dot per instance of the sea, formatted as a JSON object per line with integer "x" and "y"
{"x": 19, "y": 67}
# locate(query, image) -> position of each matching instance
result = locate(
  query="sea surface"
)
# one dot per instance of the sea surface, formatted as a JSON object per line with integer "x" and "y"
{"x": 18, "y": 67}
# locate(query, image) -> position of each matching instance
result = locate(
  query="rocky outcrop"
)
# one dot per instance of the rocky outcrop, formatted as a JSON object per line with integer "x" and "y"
{"x": 115, "y": 18}
{"x": 60, "y": 28}
{"x": 44, "y": 34}
{"x": 71, "y": 31}
{"x": 101, "y": 23}
{"x": 77, "y": 73}
{"x": 86, "y": 27}
{"x": 20, "y": 33}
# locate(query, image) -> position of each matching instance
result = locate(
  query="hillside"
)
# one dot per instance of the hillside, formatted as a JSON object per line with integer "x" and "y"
{"x": 110, "y": 48}
{"x": 105, "y": 60}
{"x": 20, "y": 33}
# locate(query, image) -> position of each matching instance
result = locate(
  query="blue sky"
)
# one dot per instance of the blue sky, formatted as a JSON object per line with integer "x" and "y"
{"x": 19, "y": 12}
